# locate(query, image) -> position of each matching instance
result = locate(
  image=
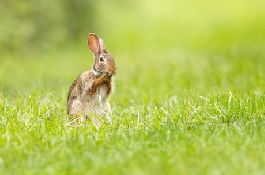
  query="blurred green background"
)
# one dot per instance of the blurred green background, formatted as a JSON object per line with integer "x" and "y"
{"x": 29, "y": 25}
{"x": 162, "y": 47}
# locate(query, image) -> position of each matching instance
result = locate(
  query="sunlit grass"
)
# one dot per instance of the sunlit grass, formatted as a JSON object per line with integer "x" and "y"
{"x": 218, "y": 133}
{"x": 204, "y": 111}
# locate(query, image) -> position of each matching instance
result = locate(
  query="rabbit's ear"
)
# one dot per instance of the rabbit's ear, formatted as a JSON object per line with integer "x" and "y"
{"x": 102, "y": 46}
{"x": 93, "y": 43}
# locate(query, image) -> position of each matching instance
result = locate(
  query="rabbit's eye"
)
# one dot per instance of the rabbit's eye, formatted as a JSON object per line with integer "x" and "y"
{"x": 101, "y": 59}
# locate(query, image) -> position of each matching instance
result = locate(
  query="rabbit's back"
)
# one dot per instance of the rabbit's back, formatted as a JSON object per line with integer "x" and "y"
{"x": 76, "y": 95}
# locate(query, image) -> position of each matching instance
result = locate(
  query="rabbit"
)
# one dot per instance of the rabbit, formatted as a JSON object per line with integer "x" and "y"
{"x": 88, "y": 95}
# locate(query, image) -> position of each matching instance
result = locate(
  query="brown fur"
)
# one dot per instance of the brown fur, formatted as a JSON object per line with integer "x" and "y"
{"x": 76, "y": 88}
{"x": 92, "y": 88}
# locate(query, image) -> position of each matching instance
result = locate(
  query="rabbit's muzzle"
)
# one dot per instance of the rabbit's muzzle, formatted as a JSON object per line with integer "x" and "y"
{"x": 111, "y": 67}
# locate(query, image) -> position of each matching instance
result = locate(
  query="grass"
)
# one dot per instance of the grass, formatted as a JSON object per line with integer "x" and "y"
{"x": 177, "y": 118}
{"x": 189, "y": 96}
{"x": 215, "y": 135}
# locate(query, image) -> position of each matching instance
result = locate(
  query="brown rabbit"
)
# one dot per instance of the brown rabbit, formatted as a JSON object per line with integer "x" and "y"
{"x": 89, "y": 93}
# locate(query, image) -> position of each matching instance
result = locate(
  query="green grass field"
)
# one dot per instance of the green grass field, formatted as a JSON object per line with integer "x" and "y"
{"x": 189, "y": 97}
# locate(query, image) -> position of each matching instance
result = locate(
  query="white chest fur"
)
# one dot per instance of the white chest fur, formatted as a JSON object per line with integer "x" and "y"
{"x": 98, "y": 104}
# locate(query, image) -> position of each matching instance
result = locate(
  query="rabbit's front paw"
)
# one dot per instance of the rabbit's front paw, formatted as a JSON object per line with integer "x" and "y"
{"x": 106, "y": 77}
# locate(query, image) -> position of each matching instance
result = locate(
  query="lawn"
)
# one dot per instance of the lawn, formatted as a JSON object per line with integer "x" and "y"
{"x": 190, "y": 102}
